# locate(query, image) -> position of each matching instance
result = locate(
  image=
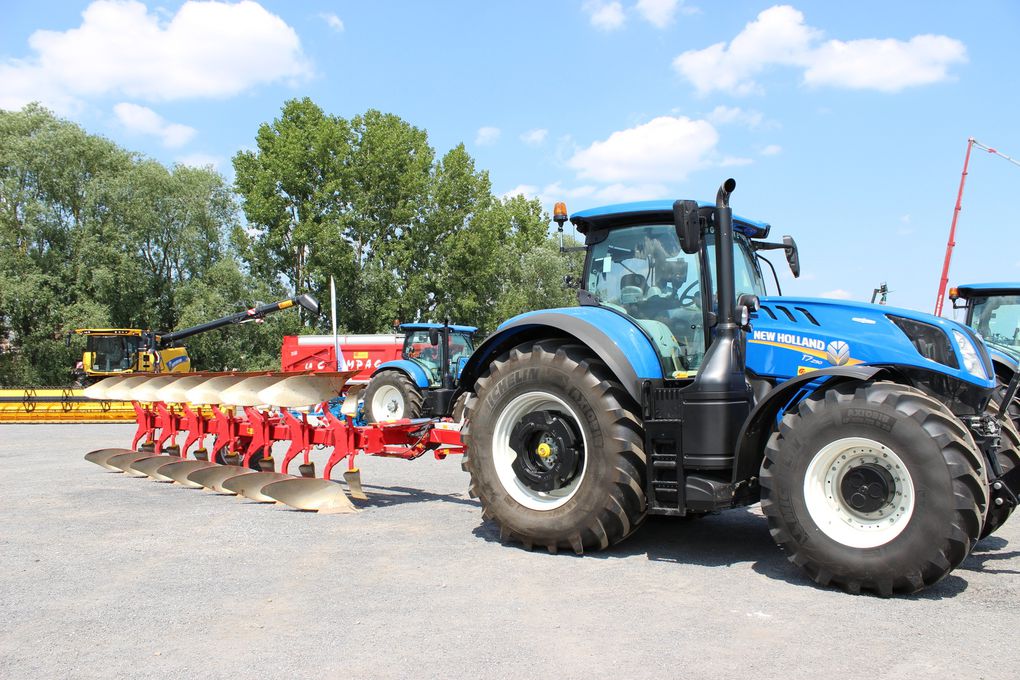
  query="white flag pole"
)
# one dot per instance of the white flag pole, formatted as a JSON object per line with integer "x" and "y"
{"x": 340, "y": 363}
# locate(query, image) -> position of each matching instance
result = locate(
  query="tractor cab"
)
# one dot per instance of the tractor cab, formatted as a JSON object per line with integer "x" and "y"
{"x": 423, "y": 382}
{"x": 636, "y": 267}
{"x": 993, "y": 310}
{"x": 109, "y": 352}
{"x": 423, "y": 344}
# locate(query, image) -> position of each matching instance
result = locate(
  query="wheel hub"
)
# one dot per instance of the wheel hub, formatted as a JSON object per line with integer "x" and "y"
{"x": 867, "y": 488}
{"x": 547, "y": 449}
{"x": 859, "y": 492}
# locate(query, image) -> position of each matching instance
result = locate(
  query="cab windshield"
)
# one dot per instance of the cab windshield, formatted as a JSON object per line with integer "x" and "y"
{"x": 112, "y": 353}
{"x": 642, "y": 272}
{"x": 997, "y": 319}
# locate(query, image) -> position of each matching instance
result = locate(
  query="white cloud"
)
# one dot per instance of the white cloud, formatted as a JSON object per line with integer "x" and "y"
{"x": 206, "y": 49}
{"x": 526, "y": 190}
{"x": 884, "y": 65}
{"x": 772, "y": 150}
{"x": 665, "y": 148}
{"x": 588, "y": 194}
{"x": 201, "y": 160}
{"x": 534, "y": 137}
{"x": 145, "y": 121}
{"x": 333, "y": 21}
{"x": 487, "y": 136}
{"x": 778, "y": 36}
{"x": 605, "y": 16}
{"x": 838, "y": 294}
{"x": 734, "y": 162}
{"x": 660, "y": 13}
{"x": 624, "y": 193}
{"x": 724, "y": 115}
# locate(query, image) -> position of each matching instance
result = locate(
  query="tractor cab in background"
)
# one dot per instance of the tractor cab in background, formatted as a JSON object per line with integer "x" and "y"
{"x": 120, "y": 351}
{"x": 422, "y": 383}
{"x": 993, "y": 310}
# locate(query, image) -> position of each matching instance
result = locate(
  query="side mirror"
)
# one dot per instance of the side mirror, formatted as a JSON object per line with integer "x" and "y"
{"x": 687, "y": 223}
{"x": 792, "y": 257}
{"x": 67, "y": 340}
{"x": 434, "y": 337}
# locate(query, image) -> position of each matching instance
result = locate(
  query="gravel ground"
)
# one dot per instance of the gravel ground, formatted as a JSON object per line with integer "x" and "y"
{"x": 104, "y": 576}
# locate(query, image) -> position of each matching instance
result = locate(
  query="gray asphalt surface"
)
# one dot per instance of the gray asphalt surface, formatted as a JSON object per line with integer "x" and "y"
{"x": 104, "y": 576}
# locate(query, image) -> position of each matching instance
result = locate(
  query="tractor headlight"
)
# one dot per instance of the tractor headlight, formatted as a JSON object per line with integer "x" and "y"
{"x": 971, "y": 361}
{"x": 930, "y": 341}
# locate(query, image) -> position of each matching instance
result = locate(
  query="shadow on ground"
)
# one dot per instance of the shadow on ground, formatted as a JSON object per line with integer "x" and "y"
{"x": 739, "y": 536}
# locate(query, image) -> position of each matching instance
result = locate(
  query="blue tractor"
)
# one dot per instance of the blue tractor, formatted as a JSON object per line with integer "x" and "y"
{"x": 422, "y": 382}
{"x": 863, "y": 430}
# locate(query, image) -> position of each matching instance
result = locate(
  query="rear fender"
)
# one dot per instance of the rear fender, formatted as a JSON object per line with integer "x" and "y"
{"x": 759, "y": 425}
{"x": 412, "y": 370}
{"x": 625, "y": 350}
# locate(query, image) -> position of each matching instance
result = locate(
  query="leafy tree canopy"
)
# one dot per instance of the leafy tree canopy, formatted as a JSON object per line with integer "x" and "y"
{"x": 93, "y": 235}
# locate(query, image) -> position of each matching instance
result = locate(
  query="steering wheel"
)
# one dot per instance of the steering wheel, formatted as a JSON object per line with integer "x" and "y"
{"x": 688, "y": 298}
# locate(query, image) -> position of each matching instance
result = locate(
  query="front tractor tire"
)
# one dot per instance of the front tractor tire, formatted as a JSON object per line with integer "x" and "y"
{"x": 875, "y": 487}
{"x": 391, "y": 395}
{"x": 555, "y": 449}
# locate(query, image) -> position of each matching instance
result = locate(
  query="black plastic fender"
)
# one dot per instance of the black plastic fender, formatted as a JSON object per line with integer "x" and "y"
{"x": 758, "y": 426}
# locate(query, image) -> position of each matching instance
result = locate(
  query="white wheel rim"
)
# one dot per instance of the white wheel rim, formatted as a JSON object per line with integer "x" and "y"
{"x": 836, "y": 518}
{"x": 503, "y": 456}
{"x": 387, "y": 404}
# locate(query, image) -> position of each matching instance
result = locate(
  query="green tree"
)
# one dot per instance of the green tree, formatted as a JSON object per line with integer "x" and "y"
{"x": 92, "y": 235}
{"x": 406, "y": 236}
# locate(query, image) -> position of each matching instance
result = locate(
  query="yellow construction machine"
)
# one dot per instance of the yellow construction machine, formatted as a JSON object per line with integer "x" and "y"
{"x": 120, "y": 351}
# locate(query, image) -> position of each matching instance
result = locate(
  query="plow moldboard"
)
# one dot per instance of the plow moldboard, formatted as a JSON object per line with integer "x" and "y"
{"x": 250, "y": 486}
{"x": 212, "y": 478}
{"x": 123, "y": 462}
{"x": 101, "y": 457}
{"x": 318, "y": 495}
{"x": 150, "y": 466}
{"x": 180, "y": 470}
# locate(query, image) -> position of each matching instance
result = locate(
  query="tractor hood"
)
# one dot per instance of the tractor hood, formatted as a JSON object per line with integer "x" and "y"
{"x": 792, "y": 336}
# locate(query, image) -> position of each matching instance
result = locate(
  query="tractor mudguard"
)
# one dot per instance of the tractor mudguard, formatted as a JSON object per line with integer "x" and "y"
{"x": 613, "y": 338}
{"x": 758, "y": 426}
{"x": 1004, "y": 363}
{"x": 413, "y": 371}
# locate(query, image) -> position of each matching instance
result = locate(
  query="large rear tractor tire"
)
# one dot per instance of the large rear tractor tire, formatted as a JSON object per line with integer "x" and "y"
{"x": 391, "y": 395}
{"x": 555, "y": 449}
{"x": 874, "y": 487}
{"x": 1009, "y": 457}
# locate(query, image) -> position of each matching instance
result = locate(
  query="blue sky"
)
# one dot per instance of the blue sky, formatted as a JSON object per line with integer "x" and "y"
{"x": 845, "y": 124}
